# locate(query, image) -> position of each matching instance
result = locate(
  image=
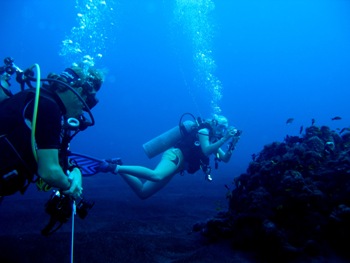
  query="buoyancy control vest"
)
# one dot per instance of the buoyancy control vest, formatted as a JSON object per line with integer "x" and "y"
{"x": 17, "y": 163}
{"x": 190, "y": 147}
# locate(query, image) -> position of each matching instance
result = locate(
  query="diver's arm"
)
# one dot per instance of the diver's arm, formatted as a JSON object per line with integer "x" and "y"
{"x": 213, "y": 148}
{"x": 51, "y": 172}
{"x": 207, "y": 147}
{"x": 234, "y": 134}
{"x": 225, "y": 156}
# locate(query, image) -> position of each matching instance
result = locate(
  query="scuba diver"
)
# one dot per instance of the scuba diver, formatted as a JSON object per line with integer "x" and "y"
{"x": 187, "y": 147}
{"x": 53, "y": 116}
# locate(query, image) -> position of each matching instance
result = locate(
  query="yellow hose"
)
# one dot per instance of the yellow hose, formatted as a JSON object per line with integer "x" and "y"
{"x": 40, "y": 183}
{"x": 35, "y": 111}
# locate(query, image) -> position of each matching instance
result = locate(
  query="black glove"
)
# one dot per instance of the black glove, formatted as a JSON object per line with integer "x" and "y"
{"x": 109, "y": 165}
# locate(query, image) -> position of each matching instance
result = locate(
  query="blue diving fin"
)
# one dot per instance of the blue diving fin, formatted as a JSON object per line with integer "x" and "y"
{"x": 87, "y": 164}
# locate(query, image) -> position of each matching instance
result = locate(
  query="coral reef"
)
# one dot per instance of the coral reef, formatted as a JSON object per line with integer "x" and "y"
{"x": 293, "y": 201}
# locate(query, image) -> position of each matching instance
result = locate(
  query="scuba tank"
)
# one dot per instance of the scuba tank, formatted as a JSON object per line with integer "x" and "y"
{"x": 168, "y": 139}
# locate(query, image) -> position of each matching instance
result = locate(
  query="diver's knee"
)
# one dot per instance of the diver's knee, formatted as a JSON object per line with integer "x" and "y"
{"x": 157, "y": 179}
{"x": 157, "y": 176}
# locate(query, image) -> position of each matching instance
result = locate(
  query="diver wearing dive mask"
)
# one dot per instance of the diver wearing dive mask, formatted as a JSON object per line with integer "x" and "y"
{"x": 190, "y": 153}
{"x": 63, "y": 96}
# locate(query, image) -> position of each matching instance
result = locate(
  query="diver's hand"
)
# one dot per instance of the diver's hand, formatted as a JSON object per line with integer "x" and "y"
{"x": 76, "y": 187}
{"x": 231, "y": 132}
{"x": 233, "y": 142}
{"x": 109, "y": 165}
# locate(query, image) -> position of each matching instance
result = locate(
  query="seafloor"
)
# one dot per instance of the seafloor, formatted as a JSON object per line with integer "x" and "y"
{"x": 120, "y": 227}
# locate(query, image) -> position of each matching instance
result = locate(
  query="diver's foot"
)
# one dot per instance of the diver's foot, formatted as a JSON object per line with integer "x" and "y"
{"x": 109, "y": 166}
{"x": 117, "y": 161}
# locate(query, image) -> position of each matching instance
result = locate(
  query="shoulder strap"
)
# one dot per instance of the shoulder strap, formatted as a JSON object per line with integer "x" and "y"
{"x": 47, "y": 94}
{"x": 206, "y": 125}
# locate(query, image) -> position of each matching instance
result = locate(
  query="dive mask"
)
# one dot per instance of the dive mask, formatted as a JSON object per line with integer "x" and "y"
{"x": 90, "y": 86}
{"x": 220, "y": 130}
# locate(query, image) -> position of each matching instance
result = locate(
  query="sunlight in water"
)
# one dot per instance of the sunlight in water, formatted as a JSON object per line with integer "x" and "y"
{"x": 86, "y": 42}
{"x": 194, "y": 17}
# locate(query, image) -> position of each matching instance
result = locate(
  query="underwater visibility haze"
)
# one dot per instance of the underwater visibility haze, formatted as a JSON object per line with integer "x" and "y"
{"x": 273, "y": 68}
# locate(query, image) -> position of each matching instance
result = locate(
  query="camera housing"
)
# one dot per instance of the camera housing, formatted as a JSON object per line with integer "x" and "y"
{"x": 60, "y": 209}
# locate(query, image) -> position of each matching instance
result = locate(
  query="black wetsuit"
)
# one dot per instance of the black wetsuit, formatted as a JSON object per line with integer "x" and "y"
{"x": 14, "y": 129}
{"x": 194, "y": 157}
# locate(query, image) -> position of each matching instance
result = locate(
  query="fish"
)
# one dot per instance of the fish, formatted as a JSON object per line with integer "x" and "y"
{"x": 301, "y": 129}
{"x": 290, "y": 120}
{"x": 336, "y": 118}
{"x": 313, "y": 122}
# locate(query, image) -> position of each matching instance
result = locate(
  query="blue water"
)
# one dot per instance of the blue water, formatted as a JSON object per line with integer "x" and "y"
{"x": 274, "y": 60}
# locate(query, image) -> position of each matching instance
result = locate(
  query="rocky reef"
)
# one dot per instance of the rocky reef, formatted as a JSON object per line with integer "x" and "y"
{"x": 294, "y": 200}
